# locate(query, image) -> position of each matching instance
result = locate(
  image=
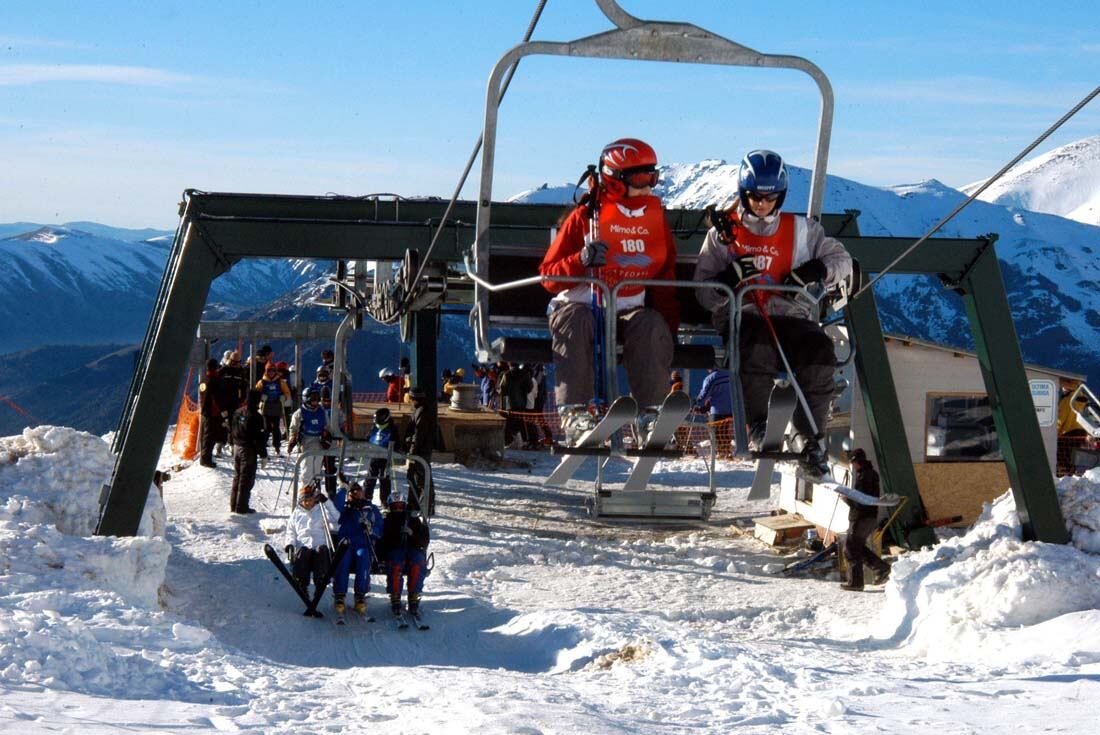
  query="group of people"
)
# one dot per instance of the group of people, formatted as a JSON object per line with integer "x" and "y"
{"x": 394, "y": 543}
{"x": 253, "y": 417}
{"x": 618, "y": 232}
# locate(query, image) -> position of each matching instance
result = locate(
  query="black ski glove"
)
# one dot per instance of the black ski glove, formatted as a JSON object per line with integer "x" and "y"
{"x": 289, "y": 553}
{"x": 741, "y": 269}
{"x": 812, "y": 271}
{"x": 594, "y": 254}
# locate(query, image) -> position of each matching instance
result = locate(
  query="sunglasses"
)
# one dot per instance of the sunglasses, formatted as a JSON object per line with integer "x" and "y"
{"x": 772, "y": 197}
{"x": 640, "y": 178}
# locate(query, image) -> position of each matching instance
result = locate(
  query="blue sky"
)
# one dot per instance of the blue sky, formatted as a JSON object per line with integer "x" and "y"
{"x": 109, "y": 110}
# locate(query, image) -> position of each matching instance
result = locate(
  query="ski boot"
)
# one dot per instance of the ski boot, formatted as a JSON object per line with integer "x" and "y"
{"x": 395, "y": 606}
{"x": 339, "y": 605}
{"x": 414, "y": 604}
{"x": 575, "y": 421}
{"x": 813, "y": 464}
{"x": 361, "y": 604}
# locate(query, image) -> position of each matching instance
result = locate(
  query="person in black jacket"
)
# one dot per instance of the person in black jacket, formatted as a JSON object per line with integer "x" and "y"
{"x": 420, "y": 440}
{"x": 212, "y": 412}
{"x": 403, "y": 548}
{"x": 249, "y": 437}
{"x": 862, "y": 520}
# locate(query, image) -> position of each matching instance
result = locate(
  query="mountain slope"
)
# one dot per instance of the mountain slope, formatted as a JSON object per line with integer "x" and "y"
{"x": 68, "y": 286}
{"x": 1065, "y": 182}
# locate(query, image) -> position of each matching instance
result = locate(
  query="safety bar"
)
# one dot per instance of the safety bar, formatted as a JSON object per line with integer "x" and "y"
{"x": 361, "y": 451}
{"x": 485, "y": 352}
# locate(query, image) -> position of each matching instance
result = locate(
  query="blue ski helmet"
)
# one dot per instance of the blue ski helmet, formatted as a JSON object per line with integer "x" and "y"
{"x": 762, "y": 172}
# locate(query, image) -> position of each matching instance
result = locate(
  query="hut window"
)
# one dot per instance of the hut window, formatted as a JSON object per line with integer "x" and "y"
{"x": 960, "y": 429}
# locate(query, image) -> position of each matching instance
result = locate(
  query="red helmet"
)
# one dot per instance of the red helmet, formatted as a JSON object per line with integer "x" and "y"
{"x": 623, "y": 159}
{"x": 282, "y": 366}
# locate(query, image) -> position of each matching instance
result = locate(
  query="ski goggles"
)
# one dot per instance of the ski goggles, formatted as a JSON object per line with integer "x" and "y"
{"x": 640, "y": 178}
{"x": 771, "y": 197}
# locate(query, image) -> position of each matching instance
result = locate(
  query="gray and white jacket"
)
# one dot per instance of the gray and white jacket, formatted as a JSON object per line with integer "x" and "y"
{"x": 810, "y": 242}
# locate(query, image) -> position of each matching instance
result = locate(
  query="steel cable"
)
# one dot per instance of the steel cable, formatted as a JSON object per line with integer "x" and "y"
{"x": 989, "y": 182}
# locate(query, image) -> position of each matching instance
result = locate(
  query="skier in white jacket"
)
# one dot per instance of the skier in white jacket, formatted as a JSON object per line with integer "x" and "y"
{"x": 306, "y": 538}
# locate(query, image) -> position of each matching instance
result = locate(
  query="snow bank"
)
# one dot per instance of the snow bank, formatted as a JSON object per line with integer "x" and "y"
{"x": 988, "y": 595}
{"x": 56, "y": 576}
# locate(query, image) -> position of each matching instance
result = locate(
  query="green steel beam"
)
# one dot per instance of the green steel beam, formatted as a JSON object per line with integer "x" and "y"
{"x": 880, "y": 401}
{"x": 155, "y": 397}
{"x": 1006, "y": 383}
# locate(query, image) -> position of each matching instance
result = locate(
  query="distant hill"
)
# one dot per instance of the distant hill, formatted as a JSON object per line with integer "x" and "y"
{"x": 62, "y": 285}
{"x": 1065, "y": 182}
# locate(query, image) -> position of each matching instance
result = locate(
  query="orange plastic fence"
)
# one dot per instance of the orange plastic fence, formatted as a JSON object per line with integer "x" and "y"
{"x": 185, "y": 440}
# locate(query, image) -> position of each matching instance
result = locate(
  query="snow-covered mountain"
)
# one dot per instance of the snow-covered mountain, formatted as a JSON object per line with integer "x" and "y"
{"x": 62, "y": 285}
{"x": 1065, "y": 181}
{"x": 1050, "y": 263}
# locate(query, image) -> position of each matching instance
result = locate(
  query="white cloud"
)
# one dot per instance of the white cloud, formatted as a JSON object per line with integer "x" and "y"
{"x": 25, "y": 74}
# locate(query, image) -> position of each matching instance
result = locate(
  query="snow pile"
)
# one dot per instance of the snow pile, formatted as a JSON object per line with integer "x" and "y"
{"x": 988, "y": 595}
{"x": 66, "y": 595}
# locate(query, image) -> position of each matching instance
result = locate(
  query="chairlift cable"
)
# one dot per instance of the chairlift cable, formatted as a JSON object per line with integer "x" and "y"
{"x": 470, "y": 163}
{"x": 989, "y": 182}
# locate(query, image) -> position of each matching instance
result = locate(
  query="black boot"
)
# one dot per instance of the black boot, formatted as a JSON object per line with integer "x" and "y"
{"x": 855, "y": 577}
{"x": 414, "y": 604}
{"x": 814, "y": 463}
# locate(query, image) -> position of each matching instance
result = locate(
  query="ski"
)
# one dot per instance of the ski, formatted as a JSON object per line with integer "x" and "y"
{"x": 887, "y": 501}
{"x": 622, "y": 412}
{"x": 418, "y": 620}
{"x": 674, "y": 410}
{"x": 781, "y": 406}
{"x": 341, "y": 549}
{"x": 809, "y": 561}
{"x": 273, "y": 555}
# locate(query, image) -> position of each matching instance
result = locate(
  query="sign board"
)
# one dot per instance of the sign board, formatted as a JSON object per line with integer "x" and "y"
{"x": 1044, "y": 394}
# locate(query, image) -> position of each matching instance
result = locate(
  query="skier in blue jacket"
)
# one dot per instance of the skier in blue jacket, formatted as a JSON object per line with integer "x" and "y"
{"x": 382, "y": 434}
{"x": 361, "y": 524}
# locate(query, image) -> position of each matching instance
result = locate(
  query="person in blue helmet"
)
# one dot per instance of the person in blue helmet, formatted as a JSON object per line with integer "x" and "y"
{"x": 752, "y": 241}
{"x": 360, "y": 523}
{"x": 383, "y": 433}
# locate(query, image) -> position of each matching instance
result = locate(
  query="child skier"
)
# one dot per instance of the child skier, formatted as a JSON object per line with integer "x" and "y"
{"x": 361, "y": 525}
{"x": 404, "y": 546}
{"x": 306, "y": 538}
{"x": 382, "y": 434}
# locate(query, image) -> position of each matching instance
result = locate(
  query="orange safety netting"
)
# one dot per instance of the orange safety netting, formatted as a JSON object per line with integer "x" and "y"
{"x": 185, "y": 440}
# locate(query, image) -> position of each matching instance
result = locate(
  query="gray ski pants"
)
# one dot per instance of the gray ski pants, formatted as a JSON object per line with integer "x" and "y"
{"x": 647, "y": 353}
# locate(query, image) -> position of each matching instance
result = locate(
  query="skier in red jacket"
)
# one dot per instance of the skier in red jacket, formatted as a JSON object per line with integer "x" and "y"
{"x": 618, "y": 232}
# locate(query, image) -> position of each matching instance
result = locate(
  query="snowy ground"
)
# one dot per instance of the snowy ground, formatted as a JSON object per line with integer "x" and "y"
{"x": 543, "y": 620}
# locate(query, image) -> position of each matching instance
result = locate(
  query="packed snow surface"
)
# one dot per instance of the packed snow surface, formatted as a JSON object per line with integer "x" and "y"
{"x": 543, "y": 619}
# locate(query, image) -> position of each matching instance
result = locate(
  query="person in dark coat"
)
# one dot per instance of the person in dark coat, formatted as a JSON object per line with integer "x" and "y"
{"x": 212, "y": 412}
{"x": 235, "y": 379}
{"x": 515, "y": 385}
{"x": 420, "y": 440}
{"x": 404, "y": 549}
{"x": 249, "y": 439}
{"x": 862, "y": 520}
